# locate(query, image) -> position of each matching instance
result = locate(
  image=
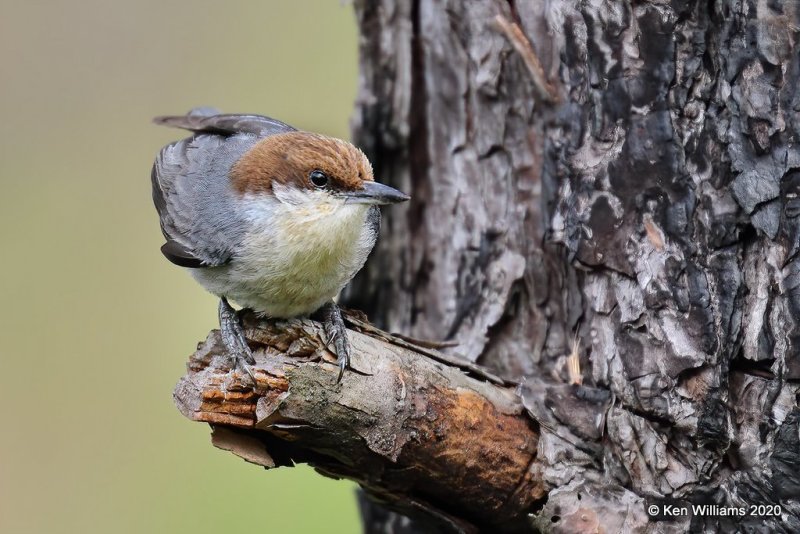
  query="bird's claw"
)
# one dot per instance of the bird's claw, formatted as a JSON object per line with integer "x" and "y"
{"x": 242, "y": 365}
{"x": 234, "y": 339}
{"x": 342, "y": 356}
{"x": 337, "y": 333}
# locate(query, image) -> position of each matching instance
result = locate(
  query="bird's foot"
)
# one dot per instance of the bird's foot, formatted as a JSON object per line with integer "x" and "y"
{"x": 337, "y": 334}
{"x": 234, "y": 339}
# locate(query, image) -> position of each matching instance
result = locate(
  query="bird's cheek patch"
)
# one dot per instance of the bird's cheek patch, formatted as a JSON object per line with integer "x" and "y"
{"x": 313, "y": 211}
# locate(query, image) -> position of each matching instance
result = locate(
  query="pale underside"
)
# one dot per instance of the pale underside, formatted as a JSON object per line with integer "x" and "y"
{"x": 302, "y": 248}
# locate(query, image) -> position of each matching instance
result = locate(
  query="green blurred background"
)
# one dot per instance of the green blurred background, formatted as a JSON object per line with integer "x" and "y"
{"x": 95, "y": 326}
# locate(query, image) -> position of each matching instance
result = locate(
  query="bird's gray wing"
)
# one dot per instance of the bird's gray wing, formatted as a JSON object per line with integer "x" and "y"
{"x": 191, "y": 188}
{"x": 209, "y": 120}
{"x": 188, "y": 191}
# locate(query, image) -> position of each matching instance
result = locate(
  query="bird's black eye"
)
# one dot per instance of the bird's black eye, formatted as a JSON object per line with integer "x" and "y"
{"x": 318, "y": 178}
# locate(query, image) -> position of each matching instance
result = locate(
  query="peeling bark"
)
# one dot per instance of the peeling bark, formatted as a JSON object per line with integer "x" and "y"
{"x": 420, "y": 435}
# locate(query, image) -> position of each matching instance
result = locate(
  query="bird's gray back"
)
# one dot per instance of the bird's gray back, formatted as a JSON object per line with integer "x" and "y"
{"x": 193, "y": 196}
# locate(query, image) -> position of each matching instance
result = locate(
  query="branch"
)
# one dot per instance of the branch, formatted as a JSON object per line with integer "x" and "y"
{"x": 545, "y": 90}
{"x": 418, "y": 434}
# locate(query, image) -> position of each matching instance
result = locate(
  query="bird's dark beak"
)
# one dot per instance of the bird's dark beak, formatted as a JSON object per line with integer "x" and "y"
{"x": 375, "y": 193}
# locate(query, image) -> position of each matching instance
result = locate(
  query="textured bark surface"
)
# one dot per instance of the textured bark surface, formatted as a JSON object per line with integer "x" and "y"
{"x": 420, "y": 435}
{"x": 650, "y": 211}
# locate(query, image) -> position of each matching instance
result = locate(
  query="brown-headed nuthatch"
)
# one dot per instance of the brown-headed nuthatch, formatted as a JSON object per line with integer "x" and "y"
{"x": 275, "y": 219}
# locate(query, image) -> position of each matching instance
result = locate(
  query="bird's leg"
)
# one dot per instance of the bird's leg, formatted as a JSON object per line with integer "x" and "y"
{"x": 233, "y": 337}
{"x": 337, "y": 333}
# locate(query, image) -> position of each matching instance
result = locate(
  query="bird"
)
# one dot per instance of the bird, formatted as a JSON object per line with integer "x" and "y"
{"x": 276, "y": 219}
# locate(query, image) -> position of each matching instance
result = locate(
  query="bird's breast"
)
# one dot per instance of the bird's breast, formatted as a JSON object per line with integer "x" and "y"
{"x": 295, "y": 258}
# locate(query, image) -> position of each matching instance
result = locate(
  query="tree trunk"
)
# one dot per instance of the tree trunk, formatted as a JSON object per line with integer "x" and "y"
{"x": 617, "y": 180}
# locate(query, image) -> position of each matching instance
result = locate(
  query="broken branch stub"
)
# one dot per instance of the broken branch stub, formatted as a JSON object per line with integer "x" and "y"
{"x": 405, "y": 427}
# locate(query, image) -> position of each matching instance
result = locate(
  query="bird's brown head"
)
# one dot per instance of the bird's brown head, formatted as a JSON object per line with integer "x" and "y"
{"x": 321, "y": 166}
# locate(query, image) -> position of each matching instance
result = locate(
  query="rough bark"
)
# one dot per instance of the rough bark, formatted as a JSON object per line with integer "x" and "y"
{"x": 649, "y": 210}
{"x": 418, "y": 434}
